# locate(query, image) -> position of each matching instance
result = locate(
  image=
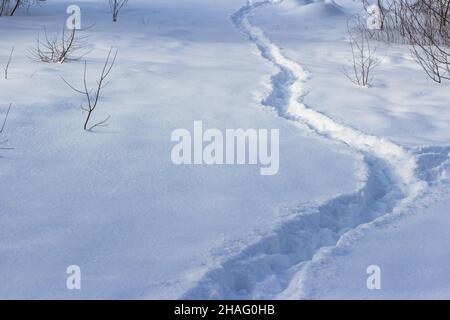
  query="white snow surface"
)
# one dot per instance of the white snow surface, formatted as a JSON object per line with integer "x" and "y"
{"x": 363, "y": 171}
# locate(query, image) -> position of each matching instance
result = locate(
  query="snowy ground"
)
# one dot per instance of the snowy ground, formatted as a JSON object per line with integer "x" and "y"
{"x": 354, "y": 189}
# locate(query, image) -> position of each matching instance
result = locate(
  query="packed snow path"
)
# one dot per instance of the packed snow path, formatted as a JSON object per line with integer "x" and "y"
{"x": 395, "y": 177}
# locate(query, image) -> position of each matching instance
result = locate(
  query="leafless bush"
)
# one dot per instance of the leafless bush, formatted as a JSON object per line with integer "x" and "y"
{"x": 2, "y": 128}
{"x": 116, "y": 6}
{"x": 424, "y": 25}
{"x": 92, "y": 95}
{"x": 363, "y": 59}
{"x": 427, "y": 27}
{"x": 10, "y": 7}
{"x": 8, "y": 63}
{"x": 59, "y": 49}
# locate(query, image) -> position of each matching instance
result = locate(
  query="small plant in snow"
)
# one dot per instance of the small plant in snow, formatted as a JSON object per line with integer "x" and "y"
{"x": 59, "y": 49}
{"x": 92, "y": 95}
{"x": 116, "y": 6}
{"x": 363, "y": 59}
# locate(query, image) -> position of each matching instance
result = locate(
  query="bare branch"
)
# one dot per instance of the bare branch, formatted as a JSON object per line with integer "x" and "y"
{"x": 2, "y": 128}
{"x": 6, "y": 69}
{"x": 92, "y": 95}
{"x": 116, "y": 6}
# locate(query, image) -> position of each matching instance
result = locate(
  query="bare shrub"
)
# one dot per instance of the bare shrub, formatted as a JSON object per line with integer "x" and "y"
{"x": 427, "y": 27}
{"x": 424, "y": 25}
{"x": 363, "y": 59}
{"x": 59, "y": 48}
{"x": 116, "y": 6}
{"x": 92, "y": 95}
{"x": 10, "y": 7}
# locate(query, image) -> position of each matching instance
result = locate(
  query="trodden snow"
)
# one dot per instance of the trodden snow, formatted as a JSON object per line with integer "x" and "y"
{"x": 362, "y": 179}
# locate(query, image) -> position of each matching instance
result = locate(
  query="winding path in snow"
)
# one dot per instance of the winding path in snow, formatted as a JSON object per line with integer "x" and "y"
{"x": 395, "y": 177}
